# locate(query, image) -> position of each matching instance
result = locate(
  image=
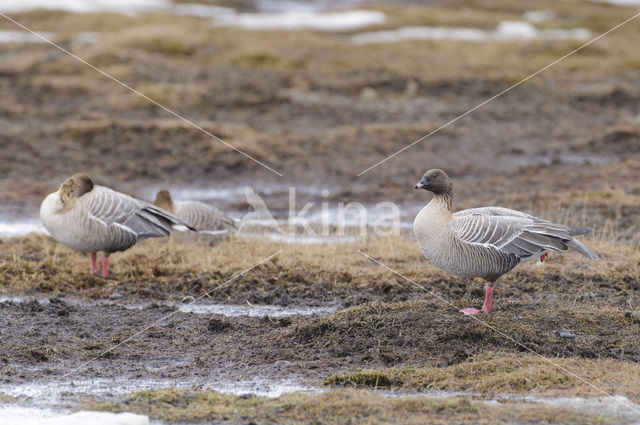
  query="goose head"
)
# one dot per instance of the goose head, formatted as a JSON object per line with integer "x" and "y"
{"x": 436, "y": 181}
{"x": 74, "y": 187}
{"x": 164, "y": 201}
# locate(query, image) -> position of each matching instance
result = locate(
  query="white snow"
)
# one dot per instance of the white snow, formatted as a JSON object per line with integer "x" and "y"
{"x": 504, "y": 32}
{"x": 32, "y": 416}
{"x": 19, "y": 228}
{"x": 291, "y": 19}
{"x": 328, "y": 21}
{"x": 622, "y": 2}
{"x": 86, "y": 6}
{"x": 7, "y": 36}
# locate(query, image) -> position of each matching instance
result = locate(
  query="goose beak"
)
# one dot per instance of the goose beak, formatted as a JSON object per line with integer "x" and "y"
{"x": 422, "y": 184}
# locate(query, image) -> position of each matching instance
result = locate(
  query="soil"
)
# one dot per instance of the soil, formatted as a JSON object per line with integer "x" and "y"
{"x": 44, "y": 341}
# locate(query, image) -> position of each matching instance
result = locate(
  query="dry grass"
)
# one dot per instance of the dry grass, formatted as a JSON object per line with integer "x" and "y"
{"x": 507, "y": 373}
{"x": 336, "y": 407}
{"x": 37, "y": 263}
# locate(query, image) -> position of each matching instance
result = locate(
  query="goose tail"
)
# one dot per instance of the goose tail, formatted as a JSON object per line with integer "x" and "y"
{"x": 582, "y": 249}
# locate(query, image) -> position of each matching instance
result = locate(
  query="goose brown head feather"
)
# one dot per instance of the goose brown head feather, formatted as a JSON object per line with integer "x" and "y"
{"x": 164, "y": 201}
{"x": 73, "y": 188}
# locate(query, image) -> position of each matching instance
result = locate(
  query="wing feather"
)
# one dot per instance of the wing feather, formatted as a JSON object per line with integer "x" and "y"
{"x": 114, "y": 208}
{"x": 512, "y": 232}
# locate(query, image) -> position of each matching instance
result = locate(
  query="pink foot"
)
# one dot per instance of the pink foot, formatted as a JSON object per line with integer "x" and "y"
{"x": 93, "y": 262}
{"x": 105, "y": 266}
{"x": 486, "y": 307}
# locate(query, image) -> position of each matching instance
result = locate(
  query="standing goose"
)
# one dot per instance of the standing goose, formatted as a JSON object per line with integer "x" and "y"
{"x": 91, "y": 218}
{"x": 205, "y": 218}
{"x": 484, "y": 242}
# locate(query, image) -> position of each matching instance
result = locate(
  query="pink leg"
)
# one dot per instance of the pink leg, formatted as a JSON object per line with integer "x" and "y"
{"x": 94, "y": 256}
{"x": 486, "y": 307}
{"x": 105, "y": 266}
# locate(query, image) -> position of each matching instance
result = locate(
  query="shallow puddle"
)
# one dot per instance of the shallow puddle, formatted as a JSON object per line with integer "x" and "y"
{"x": 228, "y": 310}
{"x": 274, "y": 311}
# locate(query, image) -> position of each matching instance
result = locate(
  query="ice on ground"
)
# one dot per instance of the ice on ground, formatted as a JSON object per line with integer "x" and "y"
{"x": 31, "y": 416}
{"x": 7, "y": 36}
{"x": 617, "y": 406}
{"x": 86, "y": 6}
{"x": 45, "y": 394}
{"x": 622, "y": 2}
{"x": 504, "y": 32}
{"x": 298, "y": 18}
{"x": 289, "y": 19}
{"x": 13, "y": 228}
{"x": 328, "y": 21}
{"x": 235, "y": 310}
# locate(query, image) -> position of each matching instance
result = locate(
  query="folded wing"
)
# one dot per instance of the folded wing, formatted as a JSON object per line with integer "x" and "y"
{"x": 514, "y": 232}
{"x": 138, "y": 217}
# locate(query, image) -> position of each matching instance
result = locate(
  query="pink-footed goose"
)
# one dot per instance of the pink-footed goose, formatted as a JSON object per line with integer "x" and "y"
{"x": 205, "y": 218}
{"x": 91, "y": 218}
{"x": 484, "y": 242}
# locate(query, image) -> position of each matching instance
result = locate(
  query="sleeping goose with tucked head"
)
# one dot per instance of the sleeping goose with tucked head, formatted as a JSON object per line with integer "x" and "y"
{"x": 484, "y": 242}
{"x": 91, "y": 218}
{"x": 205, "y": 218}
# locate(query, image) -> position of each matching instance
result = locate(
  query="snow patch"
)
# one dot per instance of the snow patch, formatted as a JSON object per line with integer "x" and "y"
{"x": 7, "y": 36}
{"x": 505, "y": 31}
{"x": 31, "y": 416}
{"x": 329, "y": 21}
{"x": 86, "y": 6}
{"x": 21, "y": 228}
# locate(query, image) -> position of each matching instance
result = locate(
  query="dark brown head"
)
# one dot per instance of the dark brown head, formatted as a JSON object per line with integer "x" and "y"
{"x": 74, "y": 187}
{"x": 164, "y": 201}
{"x": 436, "y": 181}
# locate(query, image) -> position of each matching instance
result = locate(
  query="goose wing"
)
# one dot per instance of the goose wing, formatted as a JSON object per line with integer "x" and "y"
{"x": 111, "y": 208}
{"x": 510, "y": 232}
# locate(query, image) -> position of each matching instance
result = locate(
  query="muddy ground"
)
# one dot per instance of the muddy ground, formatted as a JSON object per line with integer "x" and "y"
{"x": 45, "y": 341}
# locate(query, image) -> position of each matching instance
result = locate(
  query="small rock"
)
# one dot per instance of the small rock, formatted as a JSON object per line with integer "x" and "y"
{"x": 284, "y": 322}
{"x": 566, "y": 333}
{"x": 635, "y": 317}
{"x": 217, "y": 325}
{"x": 617, "y": 351}
{"x": 115, "y": 296}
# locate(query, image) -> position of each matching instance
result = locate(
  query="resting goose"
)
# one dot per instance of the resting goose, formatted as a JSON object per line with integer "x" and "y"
{"x": 484, "y": 242}
{"x": 91, "y": 218}
{"x": 205, "y": 218}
